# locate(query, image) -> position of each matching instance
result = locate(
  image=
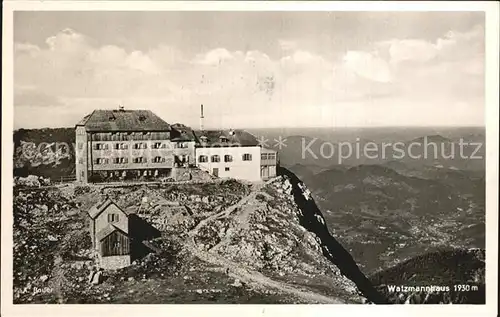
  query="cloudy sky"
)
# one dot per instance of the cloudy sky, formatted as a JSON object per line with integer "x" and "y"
{"x": 260, "y": 69}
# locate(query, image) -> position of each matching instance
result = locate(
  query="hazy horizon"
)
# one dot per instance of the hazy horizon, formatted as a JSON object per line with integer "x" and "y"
{"x": 428, "y": 128}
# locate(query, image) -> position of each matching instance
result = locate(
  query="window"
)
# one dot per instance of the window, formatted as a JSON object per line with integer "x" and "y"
{"x": 101, "y": 161}
{"x": 268, "y": 156}
{"x": 139, "y": 160}
{"x": 120, "y": 160}
{"x": 100, "y": 146}
{"x": 138, "y": 146}
{"x": 247, "y": 157}
{"x": 158, "y": 159}
{"x": 228, "y": 158}
{"x": 113, "y": 218}
{"x": 215, "y": 159}
{"x": 80, "y": 146}
{"x": 226, "y": 169}
{"x": 203, "y": 159}
{"x": 121, "y": 146}
{"x": 181, "y": 145}
{"x": 156, "y": 145}
{"x": 80, "y": 160}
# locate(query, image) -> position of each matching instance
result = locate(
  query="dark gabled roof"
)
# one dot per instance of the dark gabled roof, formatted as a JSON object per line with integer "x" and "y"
{"x": 182, "y": 132}
{"x": 99, "y": 207}
{"x": 106, "y": 231}
{"x": 123, "y": 120}
{"x": 226, "y": 138}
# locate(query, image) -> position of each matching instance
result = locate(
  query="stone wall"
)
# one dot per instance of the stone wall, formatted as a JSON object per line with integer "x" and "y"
{"x": 114, "y": 262}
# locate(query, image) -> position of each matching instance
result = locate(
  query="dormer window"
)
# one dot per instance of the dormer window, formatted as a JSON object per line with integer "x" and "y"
{"x": 142, "y": 117}
{"x": 223, "y": 139}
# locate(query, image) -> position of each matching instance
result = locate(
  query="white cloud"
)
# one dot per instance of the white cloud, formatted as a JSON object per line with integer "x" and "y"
{"x": 20, "y": 48}
{"x": 214, "y": 57}
{"x": 138, "y": 61}
{"x": 241, "y": 88}
{"x": 452, "y": 45}
{"x": 67, "y": 41}
{"x": 368, "y": 66}
{"x": 412, "y": 50}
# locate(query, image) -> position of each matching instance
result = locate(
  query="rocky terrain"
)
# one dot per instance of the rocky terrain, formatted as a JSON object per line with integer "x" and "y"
{"x": 231, "y": 242}
{"x": 222, "y": 241}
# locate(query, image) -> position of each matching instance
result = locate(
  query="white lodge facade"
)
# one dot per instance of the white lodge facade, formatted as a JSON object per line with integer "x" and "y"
{"x": 233, "y": 162}
{"x": 234, "y": 154}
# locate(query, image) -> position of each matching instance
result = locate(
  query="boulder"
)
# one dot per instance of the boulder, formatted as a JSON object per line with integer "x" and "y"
{"x": 91, "y": 276}
{"x": 237, "y": 283}
{"x": 97, "y": 278}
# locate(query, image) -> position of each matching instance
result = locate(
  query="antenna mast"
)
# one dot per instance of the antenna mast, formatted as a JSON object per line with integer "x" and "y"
{"x": 201, "y": 117}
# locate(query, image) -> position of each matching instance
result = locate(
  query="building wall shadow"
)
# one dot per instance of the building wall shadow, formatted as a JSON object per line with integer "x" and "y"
{"x": 140, "y": 231}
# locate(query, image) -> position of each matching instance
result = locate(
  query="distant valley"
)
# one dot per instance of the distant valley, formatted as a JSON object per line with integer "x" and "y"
{"x": 384, "y": 210}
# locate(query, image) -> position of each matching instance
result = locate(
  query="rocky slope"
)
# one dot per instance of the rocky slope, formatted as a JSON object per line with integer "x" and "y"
{"x": 458, "y": 277}
{"x": 221, "y": 241}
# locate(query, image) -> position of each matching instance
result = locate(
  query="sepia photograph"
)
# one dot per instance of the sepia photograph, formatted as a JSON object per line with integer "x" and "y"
{"x": 249, "y": 157}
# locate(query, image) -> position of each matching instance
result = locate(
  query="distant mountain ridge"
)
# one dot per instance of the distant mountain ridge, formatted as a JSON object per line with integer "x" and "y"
{"x": 382, "y": 214}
